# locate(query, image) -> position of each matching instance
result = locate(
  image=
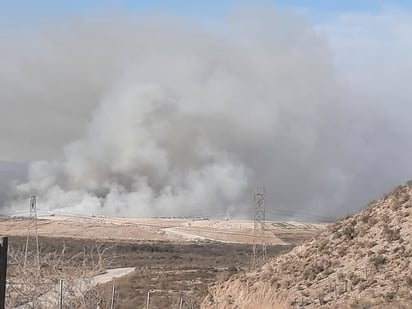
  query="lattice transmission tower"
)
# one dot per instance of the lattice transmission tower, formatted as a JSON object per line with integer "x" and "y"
{"x": 31, "y": 251}
{"x": 259, "y": 242}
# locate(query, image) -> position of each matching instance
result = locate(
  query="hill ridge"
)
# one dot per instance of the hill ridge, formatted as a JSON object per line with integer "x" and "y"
{"x": 360, "y": 261}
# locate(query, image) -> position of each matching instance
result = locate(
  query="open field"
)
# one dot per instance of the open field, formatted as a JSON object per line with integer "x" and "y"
{"x": 159, "y": 229}
{"x": 173, "y": 258}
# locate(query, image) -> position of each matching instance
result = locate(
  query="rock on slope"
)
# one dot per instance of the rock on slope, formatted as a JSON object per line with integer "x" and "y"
{"x": 358, "y": 262}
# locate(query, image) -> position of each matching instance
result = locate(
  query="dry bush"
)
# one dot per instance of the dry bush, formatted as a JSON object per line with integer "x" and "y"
{"x": 362, "y": 229}
{"x": 362, "y": 303}
{"x": 349, "y": 232}
{"x": 366, "y": 217}
{"x": 390, "y": 234}
{"x": 377, "y": 260}
{"x": 342, "y": 251}
{"x": 371, "y": 244}
{"x": 33, "y": 284}
{"x": 354, "y": 278}
{"x": 409, "y": 281}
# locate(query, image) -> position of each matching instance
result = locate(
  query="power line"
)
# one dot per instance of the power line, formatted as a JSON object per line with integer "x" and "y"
{"x": 273, "y": 212}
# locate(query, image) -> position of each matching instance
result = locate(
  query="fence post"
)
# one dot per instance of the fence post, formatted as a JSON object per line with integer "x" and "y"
{"x": 181, "y": 303}
{"x": 4, "y": 244}
{"x": 148, "y": 300}
{"x": 61, "y": 294}
{"x": 113, "y": 296}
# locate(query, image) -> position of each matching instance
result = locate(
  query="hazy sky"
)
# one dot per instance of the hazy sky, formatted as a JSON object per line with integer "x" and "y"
{"x": 173, "y": 107}
{"x": 20, "y": 12}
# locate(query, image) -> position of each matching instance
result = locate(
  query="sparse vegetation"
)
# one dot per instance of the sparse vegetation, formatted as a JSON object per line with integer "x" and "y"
{"x": 171, "y": 278}
{"x": 349, "y": 232}
{"x": 362, "y": 260}
{"x": 377, "y": 260}
{"x": 408, "y": 281}
{"x": 391, "y": 234}
{"x": 29, "y": 283}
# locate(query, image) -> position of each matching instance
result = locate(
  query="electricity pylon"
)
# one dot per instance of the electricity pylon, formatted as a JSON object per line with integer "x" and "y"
{"x": 31, "y": 251}
{"x": 259, "y": 243}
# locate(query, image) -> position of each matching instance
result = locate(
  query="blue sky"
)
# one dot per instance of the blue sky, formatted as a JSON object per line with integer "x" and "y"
{"x": 21, "y": 12}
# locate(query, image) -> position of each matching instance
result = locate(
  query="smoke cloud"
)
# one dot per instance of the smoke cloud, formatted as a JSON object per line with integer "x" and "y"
{"x": 140, "y": 116}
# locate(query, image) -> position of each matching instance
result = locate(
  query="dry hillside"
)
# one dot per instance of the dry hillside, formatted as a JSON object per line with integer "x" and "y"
{"x": 362, "y": 261}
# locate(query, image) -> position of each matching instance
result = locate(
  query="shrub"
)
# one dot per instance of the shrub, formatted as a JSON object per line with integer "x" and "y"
{"x": 371, "y": 244}
{"x": 372, "y": 221}
{"x": 409, "y": 281}
{"x": 349, "y": 232}
{"x": 364, "y": 285}
{"x": 403, "y": 199}
{"x": 365, "y": 217}
{"x": 342, "y": 251}
{"x": 361, "y": 229}
{"x": 354, "y": 278}
{"x": 391, "y": 234}
{"x": 390, "y": 296}
{"x": 341, "y": 276}
{"x": 396, "y": 205}
{"x": 309, "y": 274}
{"x": 377, "y": 260}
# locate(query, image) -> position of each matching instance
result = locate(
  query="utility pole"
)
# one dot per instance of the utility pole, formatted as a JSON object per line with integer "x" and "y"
{"x": 4, "y": 243}
{"x": 259, "y": 243}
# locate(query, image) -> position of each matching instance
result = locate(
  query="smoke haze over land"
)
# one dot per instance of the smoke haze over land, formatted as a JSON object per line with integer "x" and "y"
{"x": 155, "y": 115}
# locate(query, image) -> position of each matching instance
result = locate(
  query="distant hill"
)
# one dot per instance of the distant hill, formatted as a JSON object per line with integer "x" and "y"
{"x": 362, "y": 261}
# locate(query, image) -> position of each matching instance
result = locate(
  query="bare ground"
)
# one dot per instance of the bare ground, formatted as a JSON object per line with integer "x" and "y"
{"x": 157, "y": 229}
{"x": 173, "y": 258}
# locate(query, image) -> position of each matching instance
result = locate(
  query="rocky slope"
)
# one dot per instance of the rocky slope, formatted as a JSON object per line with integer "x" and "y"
{"x": 360, "y": 261}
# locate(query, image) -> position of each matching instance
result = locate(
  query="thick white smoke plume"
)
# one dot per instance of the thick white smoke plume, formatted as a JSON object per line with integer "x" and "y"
{"x": 164, "y": 117}
{"x": 144, "y": 153}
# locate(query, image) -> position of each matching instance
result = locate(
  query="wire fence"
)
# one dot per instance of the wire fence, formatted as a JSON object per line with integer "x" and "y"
{"x": 275, "y": 212}
{"x": 67, "y": 294}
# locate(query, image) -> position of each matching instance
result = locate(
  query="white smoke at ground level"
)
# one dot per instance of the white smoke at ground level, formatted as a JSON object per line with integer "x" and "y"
{"x": 124, "y": 157}
{"x": 182, "y": 120}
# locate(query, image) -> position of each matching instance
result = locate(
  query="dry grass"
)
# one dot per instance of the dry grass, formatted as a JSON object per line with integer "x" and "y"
{"x": 360, "y": 261}
{"x": 32, "y": 285}
{"x": 169, "y": 270}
